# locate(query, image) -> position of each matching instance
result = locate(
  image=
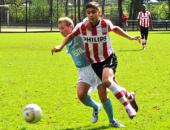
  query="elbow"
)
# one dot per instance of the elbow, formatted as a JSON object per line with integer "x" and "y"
{"x": 115, "y": 29}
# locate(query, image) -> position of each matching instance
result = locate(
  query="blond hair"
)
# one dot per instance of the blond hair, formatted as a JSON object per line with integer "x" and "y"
{"x": 66, "y": 20}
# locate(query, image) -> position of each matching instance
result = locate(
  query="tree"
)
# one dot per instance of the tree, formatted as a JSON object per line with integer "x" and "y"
{"x": 120, "y": 10}
{"x": 169, "y": 8}
{"x": 2, "y": 2}
{"x": 84, "y": 8}
{"x": 79, "y": 4}
{"x": 2, "y": 10}
{"x": 66, "y": 8}
{"x": 134, "y": 8}
{"x": 50, "y": 3}
{"x": 103, "y": 5}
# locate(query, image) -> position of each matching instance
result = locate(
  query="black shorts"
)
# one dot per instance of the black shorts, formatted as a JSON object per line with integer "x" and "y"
{"x": 144, "y": 32}
{"x": 110, "y": 62}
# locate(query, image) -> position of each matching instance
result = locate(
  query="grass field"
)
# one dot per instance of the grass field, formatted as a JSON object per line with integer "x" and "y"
{"x": 30, "y": 74}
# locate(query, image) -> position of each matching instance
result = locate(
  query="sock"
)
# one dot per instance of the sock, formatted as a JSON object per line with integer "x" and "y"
{"x": 108, "y": 109}
{"x": 116, "y": 89}
{"x": 127, "y": 94}
{"x": 90, "y": 102}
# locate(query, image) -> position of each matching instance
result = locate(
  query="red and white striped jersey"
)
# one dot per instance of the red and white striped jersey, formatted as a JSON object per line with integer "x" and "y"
{"x": 96, "y": 41}
{"x": 144, "y": 18}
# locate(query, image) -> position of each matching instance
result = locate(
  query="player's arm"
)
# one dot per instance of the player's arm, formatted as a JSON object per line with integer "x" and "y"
{"x": 138, "y": 18}
{"x": 122, "y": 33}
{"x": 67, "y": 39}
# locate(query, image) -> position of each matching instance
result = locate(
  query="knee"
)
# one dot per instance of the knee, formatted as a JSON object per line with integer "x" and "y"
{"x": 102, "y": 94}
{"x": 81, "y": 96}
{"x": 103, "y": 98}
{"x": 106, "y": 83}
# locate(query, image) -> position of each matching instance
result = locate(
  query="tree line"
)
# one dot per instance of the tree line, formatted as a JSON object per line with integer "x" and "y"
{"x": 44, "y": 10}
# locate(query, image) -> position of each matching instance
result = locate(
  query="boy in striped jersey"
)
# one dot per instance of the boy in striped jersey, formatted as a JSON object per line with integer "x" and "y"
{"x": 95, "y": 35}
{"x": 87, "y": 77}
{"x": 144, "y": 22}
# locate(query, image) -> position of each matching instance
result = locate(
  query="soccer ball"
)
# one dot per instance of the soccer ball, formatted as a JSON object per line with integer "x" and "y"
{"x": 32, "y": 113}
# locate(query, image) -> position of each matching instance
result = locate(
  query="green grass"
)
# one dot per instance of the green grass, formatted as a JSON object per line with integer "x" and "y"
{"x": 30, "y": 74}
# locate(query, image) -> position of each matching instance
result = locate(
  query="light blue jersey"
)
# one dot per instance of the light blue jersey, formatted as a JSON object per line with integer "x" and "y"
{"x": 76, "y": 49}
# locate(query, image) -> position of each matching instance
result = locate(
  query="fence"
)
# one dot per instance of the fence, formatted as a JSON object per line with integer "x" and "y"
{"x": 156, "y": 25}
{"x": 43, "y": 17}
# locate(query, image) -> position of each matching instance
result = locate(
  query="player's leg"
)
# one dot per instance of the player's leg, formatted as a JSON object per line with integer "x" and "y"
{"x": 82, "y": 91}
{"x": 131, "y": 97}
{"x": 107, "y": 81}
{"x": 146, "y": 34}
{"x": 86, "y": 79}
{"x": 115, "y": 88}
{"x": 108, "y": 107}
{"x": 143, "y": 40}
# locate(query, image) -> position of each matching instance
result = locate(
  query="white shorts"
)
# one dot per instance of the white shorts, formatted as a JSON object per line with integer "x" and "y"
{"x": 87, "y": 75}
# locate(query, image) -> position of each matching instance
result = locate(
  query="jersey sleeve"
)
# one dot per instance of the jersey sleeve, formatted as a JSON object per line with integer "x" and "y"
{"x": 138, "y": 16}
{"x": 110, "y": 25}
{"x": 149, "y": 14}
{"x": 76, "y": 30}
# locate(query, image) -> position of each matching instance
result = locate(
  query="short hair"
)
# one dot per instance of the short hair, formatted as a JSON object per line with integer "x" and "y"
{"x": 67, "y": 20}
{"x": 94, "y": 5}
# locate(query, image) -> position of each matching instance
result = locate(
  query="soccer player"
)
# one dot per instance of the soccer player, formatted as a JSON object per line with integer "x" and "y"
{"x": 95, "y": 34}
{"x": 144, "y": 21}
{"x": 87, "y": 77}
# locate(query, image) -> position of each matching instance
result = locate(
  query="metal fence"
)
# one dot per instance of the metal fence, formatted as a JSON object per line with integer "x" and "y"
{"x": 42, "y": 18}
{"x": 157, "y": 25}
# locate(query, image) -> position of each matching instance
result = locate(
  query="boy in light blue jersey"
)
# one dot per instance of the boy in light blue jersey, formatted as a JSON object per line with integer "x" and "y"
{"x": 76, "y": 50}
{"x": 87, "y": 77}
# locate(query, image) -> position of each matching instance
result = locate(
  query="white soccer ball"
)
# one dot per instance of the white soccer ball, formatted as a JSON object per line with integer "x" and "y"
{"x": 32, "y": 113}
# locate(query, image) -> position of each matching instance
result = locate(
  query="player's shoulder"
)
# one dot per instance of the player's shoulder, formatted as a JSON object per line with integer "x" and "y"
{"x": 79, "y": 24}
{"x": 106, "y": 21}
{"x": 148, "y": 11}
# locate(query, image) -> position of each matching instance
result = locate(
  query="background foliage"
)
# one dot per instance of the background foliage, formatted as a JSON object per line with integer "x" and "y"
{"x": 39, "y": 10}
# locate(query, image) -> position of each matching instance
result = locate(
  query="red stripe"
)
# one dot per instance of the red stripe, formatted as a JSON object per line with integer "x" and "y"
{"x": 95, "y": 50}
{"x": 141, "y": 19}
{"x": 94, "y": 31}
{"x": 119, "y": 95}
{"x": 144, "y": 22}
{"x": 77, "y": 32}
{"x": 104, "y": 32}
{"x": 125, "y": 103}
{"x": 88, "y": 53}
{"x": 83, "y": 29}
{"x": 105, "y": 53}
{"x": 104, "y": 27}
{"x": 95, "y": 46}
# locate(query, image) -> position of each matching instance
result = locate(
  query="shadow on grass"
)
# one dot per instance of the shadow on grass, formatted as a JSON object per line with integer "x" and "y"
{"x": 130, "y": 50}
{"x": 88, "y": 127}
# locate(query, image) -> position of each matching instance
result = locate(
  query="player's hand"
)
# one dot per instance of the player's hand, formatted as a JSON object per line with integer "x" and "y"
{"x": 56, "y": 49}
{"x": 136, "y": 38}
